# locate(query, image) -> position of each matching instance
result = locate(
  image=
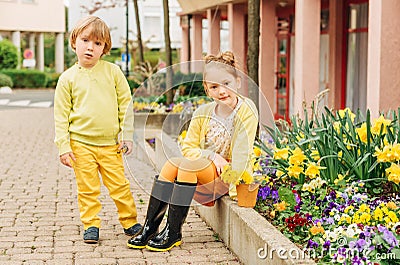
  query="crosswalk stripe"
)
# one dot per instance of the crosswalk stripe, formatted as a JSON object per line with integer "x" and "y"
{"x": 4, "y": 102}
{"x": 42, "y": 104}
{"x": 19, "y": 103}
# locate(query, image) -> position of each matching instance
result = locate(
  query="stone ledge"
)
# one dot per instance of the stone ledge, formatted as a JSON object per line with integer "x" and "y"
{"x": 243, "y": 230}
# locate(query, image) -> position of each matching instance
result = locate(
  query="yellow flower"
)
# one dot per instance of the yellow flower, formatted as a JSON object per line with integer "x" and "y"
{"x": 342, "y": 114}
{"x": 364, "y": 208}
{"x": 336, "y": 126}
{"x": 312, "y": 170}
{"x": 297, "y": 157}
{"x": 384, "y": 155}
{"x": 378, "y": 214}
{"x": 281, "y": 153}
{"x": 247, "y": 178}
{"x": 295, "y": 171}
{"x": 257, "y": 151}
{"x": 396, "y": 152}
{"x": 316, "y": 229}
{"x": 393, "y": 173}
{"x": 280, "y": 206}
{"x": 279, "y": 173}
{"x": 391, "y": 205}
{"x": 362, "y": 132}
{"x": 315, "y": 155}
{"x": 272, "y": 214}
{"x": 365, "y": 218}
{"x": 378, "y": 123}
{"x": 393, "y": 217}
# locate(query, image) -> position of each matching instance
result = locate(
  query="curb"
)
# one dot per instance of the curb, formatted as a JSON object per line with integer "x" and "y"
{"x": 246, "y": 233}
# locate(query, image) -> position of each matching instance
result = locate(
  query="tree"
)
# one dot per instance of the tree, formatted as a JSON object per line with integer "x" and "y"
{"x": 253, "y": 46}
{"x": 139, "y": 32}
{"x": 8, "y": 55}
{"x": 168, "y": 53}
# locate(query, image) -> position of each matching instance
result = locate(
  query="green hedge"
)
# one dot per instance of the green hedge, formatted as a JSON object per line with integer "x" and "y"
{"x": 26, "y": 78}
{"x": 5, "y": 80}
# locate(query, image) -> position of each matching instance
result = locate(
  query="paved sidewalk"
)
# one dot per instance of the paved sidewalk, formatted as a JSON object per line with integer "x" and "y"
{"x": 39, "y": 218}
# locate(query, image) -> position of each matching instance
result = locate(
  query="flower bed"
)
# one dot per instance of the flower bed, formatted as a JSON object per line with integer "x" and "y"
{"x": 332, "y": 186}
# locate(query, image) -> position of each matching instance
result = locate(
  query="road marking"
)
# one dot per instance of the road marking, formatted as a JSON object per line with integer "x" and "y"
{"x": 19, "y": 103}
{"x": 4, "y": 102}
{"x": 42, "y": 104}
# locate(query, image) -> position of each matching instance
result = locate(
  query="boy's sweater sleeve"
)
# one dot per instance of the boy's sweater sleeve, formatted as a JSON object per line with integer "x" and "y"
{"x": 125, "y": 108}
{"x": 62, "y": 110}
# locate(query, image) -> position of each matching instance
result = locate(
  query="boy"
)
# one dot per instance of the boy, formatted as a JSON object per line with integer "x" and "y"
{"x": 91, "y": 111}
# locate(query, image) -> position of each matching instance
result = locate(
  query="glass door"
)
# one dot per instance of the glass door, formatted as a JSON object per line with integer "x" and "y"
{"x": 282, "y": 70}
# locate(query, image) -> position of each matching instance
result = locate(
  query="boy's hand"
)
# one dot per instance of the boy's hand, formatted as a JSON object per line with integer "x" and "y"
{"x": 66, "y": 159}
{"x": 125, "y": 147}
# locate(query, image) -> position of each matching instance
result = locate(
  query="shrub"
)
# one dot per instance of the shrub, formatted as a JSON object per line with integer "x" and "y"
{"x": 5, "y": 80}
{"x": 52, "y": 79}
{"x": 8, "y": 55}
{"x": 27, "y": 78}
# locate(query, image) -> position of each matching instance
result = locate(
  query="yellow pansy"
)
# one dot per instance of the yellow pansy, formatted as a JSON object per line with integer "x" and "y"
{"x": 280, "y": 206}
{"x": 316, "y": 229}
{"x": 391, "y": 205}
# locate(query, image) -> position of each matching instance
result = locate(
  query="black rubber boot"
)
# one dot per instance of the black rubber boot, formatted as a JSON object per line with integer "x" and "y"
{"x": 171, "y": 235}
{"x": 159, "y": 199}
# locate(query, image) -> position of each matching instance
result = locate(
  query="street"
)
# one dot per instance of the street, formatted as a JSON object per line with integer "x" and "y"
{"x": 27, "y": 98}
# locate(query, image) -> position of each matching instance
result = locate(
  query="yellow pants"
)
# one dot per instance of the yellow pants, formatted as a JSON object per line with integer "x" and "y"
{"x": 202, "y": 171}
{"x": 90, "y": 161}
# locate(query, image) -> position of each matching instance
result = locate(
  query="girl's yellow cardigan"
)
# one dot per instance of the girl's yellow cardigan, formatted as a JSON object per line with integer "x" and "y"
{"x": 241, "y": 149}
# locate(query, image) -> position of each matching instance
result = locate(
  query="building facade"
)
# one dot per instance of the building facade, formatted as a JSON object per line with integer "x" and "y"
{"x": 30, "y": 19}
{"x": 113, "y": 12}
{"x": 346, "y": 52}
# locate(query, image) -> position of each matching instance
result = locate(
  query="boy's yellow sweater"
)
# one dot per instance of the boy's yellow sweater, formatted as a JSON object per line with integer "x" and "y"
{"x": 241, "y": 149}
{"x": 91, "y": 106}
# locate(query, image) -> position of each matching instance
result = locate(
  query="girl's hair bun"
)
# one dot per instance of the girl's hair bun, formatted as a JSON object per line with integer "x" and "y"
{"x": 226, "y": 57}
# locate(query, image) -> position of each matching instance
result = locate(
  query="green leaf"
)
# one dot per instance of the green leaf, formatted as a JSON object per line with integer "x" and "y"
{"x": 287, "y": 195}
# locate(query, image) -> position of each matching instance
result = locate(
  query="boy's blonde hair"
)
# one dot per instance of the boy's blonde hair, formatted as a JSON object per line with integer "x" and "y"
{"x": 99, "y": 31}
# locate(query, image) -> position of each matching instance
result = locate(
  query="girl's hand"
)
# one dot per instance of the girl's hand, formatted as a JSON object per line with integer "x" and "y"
{"x": 125, "y": 147}
{"x": 66, "y": 159}
{"x": 219, "y": 162}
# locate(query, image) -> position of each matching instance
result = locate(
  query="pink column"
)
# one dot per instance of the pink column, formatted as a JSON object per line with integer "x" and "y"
{"x": 197, "y": 42}
{"x": 307, "y": 44}
{"x": 185, "y": 44}
{"x": 214, "y": 28}
{"x": 383, "y": 80}
{"x": 237, "y": 32}
{"x": 267, "y": 61}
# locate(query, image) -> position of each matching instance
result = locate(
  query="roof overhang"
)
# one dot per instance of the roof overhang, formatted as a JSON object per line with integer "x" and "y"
{"x": 196, "y": 6}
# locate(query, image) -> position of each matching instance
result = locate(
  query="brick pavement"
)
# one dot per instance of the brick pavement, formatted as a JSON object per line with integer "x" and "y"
{"x": 39, "y": 218}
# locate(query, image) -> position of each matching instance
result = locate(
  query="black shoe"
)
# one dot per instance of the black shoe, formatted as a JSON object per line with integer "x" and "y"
{"x": 171, "y": 236}
{"x": 133, "y": 230}
{"x": 91, "y": 235}
{"x": 158, "y": 204}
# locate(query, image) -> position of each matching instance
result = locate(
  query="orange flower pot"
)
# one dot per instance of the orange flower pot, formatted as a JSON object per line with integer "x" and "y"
{"x": 247, "y": 195}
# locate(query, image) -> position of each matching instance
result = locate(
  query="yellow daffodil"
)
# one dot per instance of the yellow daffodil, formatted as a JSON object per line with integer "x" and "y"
{"x": 312, "y": 170}
{"x": 393, "y": 173}
{"x": 315, "y": 155}
{"x": 362, "y": 132}
{"x": 295, "y": 171}
{"x": 379, "y": 123}
{"x": 256, "y": 151}
{"x": 281, "y": 153}
{"x": 297, "y": 157}
{"x": 342, "y": 114}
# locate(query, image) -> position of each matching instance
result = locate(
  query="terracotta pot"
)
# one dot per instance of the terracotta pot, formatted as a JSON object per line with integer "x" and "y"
{"x": 247, "y": 195}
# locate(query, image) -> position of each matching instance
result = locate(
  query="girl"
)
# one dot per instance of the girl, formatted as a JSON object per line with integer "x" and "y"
{"x": 219, "y": 133}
